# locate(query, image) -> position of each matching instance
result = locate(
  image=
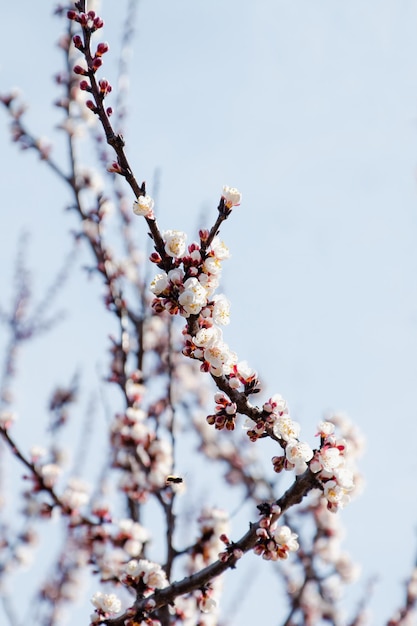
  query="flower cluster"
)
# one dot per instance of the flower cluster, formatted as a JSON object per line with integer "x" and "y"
{"x": 328, "y": 462}
{"x": 188, "y": 289}
{"x": 274, "y": 411}
{"x": 330, "y": 467}
{"x": 214, "y": 525}
{"x": 106, "y": 604}
{"x": 144, "y": 458}
{"x": 225, "y": 413}
{"x": 150, "y": 574}
{"x": 200, "y": 607}
{"x": 274, "y": 541}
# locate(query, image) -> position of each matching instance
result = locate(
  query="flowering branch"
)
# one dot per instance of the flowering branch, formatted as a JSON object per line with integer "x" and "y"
{"x": 145, "y": 607}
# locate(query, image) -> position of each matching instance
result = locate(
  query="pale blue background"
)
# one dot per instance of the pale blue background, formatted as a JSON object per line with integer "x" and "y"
{"x": 309, "y": 107}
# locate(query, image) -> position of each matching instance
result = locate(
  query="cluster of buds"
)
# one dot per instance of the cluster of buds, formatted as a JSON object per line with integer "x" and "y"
{"x": 88, "y": 21}
{"x": 274, "y": 541}
{"x": 274, "y": 412}
{"x": 225, "y": 415}
{"x": 232, "y": 551}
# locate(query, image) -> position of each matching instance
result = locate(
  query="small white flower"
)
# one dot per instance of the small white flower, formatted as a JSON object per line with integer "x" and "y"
{"x": 193, "y": 298}
{"x": 325, "y": 428}
{"x": 153, "y": 575}
{"x": 220, "y": 358}
{"x": 50, "y": 474}
{"x": 175, "y": 242}
{"x": 76, "y": 494}
{"x": 207, "y": 336}
{"x": 220, "y": 250}
{"x": 330, "y": 459}
{"x": 344, "y": 478}
{"x": 232, "y": 197}
{"x": 106, "y": 602}
{"x": 285, "y": 428}
{"x": 221, "y": 310}
{"x": 298, "y": 453}
{"x": 159, "y": 284}
{"x": 285, "y": 537}
{"x": 143, "y": 206}
{"x": 176, "y": 276}
{"x": 335, "y": 494}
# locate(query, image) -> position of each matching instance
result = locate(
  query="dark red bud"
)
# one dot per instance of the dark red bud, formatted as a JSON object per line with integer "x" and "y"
{"x": 80, "y": 70}
{"x": 77, "y": 41}
{"x": 85, "y": 86}
{"x": 97, "y": 62}
{"x": 102, "y": 48}
{"x": 155, "y": 258}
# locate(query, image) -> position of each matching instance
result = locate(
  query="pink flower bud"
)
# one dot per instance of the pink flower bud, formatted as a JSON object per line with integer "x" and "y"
{"x": 77, "y": 41}
{"x": 98, "y": 23}
{"x": 97, "y": 62}
{"x": 80, "y": 70}
{"x": 102, "y": 48}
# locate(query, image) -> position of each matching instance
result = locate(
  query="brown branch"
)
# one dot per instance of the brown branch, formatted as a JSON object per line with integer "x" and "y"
{"x": 160, "y": 598}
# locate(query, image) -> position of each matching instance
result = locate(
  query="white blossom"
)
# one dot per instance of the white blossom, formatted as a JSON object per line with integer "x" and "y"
{"x": 143, "y": 206}
{"x": 232, "y": 197}
{"x": 325, "y": 428}
{"x": 159, "y": 283}
{"x": 212, "y": 266}
{"x": 207, "y": 336}
{"x": 220, "y": 358}
{"x": 193, "y": 298}
{"x": 285, "y": 428}
{"x": 285, "y": 537}
{"x": 106, "y": 602}
{"x": 220, "y": 250}
{"x": 152, "y": 574}
{"x": 335, "y": 494}
{"x": 221, "y": 310}
{"x": 298, "y": 453}
{"x": 50, "y": 474}
{"x": 176, "y": 276}
{"x": 175, "y": 242}
{"x": 76, "y": 494}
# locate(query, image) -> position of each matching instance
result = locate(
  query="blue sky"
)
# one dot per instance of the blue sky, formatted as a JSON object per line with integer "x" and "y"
{"x": 310, "y": 109}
